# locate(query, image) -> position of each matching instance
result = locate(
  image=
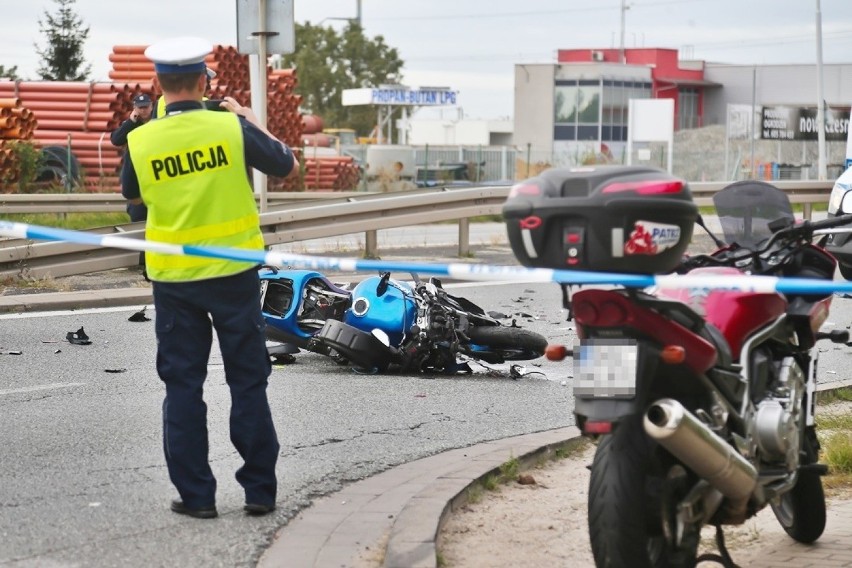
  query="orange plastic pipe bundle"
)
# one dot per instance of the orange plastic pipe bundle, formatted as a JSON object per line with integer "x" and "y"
{"x": 129, "y": 64}
{"x": 330, "y": 173}
{"x": 16, "y": 121}
{"x": 9, "y": 170}
{"x": 9, "y": 122}
{"x": 83, "y": 106}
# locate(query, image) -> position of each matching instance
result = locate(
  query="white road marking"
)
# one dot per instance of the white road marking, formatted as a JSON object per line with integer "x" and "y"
{"x": 41, "y": 388}
{"x": 25, "y": 315}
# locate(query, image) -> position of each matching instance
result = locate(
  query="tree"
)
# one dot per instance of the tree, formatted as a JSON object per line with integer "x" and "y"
{"x": 327, "y": 62}
{"x": 9, "y": 73}
{"x": 62, "y": 58}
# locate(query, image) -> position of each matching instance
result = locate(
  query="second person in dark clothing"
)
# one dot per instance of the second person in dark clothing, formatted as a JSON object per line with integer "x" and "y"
{"x": 142, "y": 113}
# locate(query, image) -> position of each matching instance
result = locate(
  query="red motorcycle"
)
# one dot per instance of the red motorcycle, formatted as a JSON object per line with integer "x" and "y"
{"x": 702, "y": 398}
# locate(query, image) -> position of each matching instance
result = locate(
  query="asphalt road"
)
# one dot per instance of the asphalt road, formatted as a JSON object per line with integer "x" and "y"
{"x": 82, "y": 476}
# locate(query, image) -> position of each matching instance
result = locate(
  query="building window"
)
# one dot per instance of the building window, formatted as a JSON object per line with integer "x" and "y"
{"x": 595, "y": 109}
{"x": 588, "y": 104}
{"x": 578, "y": 108}
{"x": 687, "y": 108}
{"x": 566, "y": 104}
{"x": 616, "y": 97}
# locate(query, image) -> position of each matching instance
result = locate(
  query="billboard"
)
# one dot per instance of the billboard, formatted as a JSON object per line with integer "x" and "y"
{"x": 424, "y": 96}
{"x": 800, "y": 123}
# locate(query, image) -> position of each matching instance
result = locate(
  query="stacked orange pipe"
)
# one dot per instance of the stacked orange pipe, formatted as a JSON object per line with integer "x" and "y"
{"x": 82, "y": 114}
{"x": 58, "y": 113}
{"x": 17, "y": 123}
{"x": 331, "y": 173}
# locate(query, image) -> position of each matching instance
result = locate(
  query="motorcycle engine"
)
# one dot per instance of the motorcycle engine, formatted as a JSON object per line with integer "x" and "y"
{"x": 779, "y": 416}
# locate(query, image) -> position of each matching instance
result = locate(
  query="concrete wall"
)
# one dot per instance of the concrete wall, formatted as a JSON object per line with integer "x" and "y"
{"x": 473, "y": 133}
{"x": 437, "y": 132}
{"x": 534, "y": 110}
{"x": 445, "y": 132}
{"x": 790, "y": 85}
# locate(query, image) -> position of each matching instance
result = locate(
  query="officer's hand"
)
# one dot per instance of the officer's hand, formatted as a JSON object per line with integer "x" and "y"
{"x": 231, "y": 104}
{"x": 134, "y": 116}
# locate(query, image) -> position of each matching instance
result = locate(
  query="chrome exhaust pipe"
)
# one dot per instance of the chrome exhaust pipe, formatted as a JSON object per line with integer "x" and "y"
{"x": 701, "y": 450}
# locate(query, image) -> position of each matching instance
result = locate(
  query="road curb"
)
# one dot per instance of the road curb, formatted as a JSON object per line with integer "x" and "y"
{"x": 54, "y": 301}
{"x": 403, "y": 507}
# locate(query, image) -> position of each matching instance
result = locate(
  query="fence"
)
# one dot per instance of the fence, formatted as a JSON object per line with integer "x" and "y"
{"x": 698, "y": 155}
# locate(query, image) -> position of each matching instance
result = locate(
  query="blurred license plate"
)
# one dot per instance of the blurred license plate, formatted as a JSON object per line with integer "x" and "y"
{"x": 605, "y": 368}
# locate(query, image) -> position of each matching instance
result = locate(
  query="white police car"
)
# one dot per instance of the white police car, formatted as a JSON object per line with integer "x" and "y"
{"x": 840, "y": 202}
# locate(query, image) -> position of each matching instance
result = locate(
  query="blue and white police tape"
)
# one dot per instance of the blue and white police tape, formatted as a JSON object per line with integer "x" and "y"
{"x": 461, "y": 271}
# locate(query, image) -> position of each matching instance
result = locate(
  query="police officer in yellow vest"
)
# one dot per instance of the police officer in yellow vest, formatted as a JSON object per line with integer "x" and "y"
{"x": 189, "y": 168}
{"x": 160, "y": 107}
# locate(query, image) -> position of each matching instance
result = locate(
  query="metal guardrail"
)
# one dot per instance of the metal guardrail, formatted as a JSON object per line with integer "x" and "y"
{"x": 326, "y": 215}
{"x": 115, "y": 203}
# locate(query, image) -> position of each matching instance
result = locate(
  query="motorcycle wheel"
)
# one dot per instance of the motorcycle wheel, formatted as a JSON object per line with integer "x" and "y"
{"x": 509, "y": 343}
{"x": 801, "y": 511}
{"x": 625, "y": 505}
{"x": 360, "y": 348}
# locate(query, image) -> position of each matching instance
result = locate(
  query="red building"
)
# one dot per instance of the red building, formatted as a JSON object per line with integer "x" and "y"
{"x": 681, "y": 81}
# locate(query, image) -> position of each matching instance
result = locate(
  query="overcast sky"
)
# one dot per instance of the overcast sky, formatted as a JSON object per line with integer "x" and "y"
{"x": 471, "y": 45}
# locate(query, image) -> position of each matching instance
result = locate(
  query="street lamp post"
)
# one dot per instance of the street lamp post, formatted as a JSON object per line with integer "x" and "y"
{"x": 822, "y": 170}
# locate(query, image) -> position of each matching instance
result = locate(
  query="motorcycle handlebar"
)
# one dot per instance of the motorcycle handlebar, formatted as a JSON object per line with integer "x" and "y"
{"x": 829, "y": 223}
{"x": 805, "y": 230}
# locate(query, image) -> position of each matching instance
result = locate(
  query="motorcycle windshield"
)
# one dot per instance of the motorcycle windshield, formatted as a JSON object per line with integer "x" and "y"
{"x": 746, "y": 208}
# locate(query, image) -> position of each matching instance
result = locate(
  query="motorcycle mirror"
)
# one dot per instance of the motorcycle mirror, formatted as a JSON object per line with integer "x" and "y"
{"x": 700, "y": 222}
{"x": 381, "y": 336}
{"x": 383, "y": 284}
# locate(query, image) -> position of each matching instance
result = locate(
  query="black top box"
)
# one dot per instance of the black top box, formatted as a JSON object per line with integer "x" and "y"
{"x": 631, "y": 219}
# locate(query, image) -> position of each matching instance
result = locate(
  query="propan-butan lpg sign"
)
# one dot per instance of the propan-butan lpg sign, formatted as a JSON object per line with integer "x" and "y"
{"x": 800, "y": 123}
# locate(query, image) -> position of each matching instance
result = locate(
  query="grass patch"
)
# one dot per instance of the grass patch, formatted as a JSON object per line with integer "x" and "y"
{"x": 490, "y": 482}
{"x": 837, "y": 483}
{"x": 509, "y": 470}
{"x": 834, "y": 395}
{"x": 69, "y": 220}
{"x": 834, "y": 431}
{"x": 475, "y": 493}
{"x": 826, "y": 421}
{"x": 837, "y": 453}
{"x": 45, "y": 283}
{"x": 495, "y": 218}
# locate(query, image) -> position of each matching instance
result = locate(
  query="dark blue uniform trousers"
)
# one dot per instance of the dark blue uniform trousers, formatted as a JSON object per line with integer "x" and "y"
{"x": 184, "y": 338}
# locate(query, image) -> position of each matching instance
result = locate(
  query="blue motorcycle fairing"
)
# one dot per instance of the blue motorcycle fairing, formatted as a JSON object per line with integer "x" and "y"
{"x": 282, "y": 296}
{"x": 394, "y": 312}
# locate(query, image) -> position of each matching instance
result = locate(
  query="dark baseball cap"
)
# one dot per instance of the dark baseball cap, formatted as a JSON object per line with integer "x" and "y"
{"x": 142, "y": 100}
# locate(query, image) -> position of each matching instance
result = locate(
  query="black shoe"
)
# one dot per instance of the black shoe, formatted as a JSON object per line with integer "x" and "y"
{"x": 202, "y": 513}
{"x": 258, "y": 510}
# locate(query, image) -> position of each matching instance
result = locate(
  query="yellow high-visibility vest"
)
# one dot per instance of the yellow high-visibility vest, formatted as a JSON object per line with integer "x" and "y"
{"x": 192, "y": 176}
{"x": 161, "y": 106}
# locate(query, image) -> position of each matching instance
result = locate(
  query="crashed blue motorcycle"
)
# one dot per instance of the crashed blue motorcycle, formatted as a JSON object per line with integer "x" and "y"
{"x": 384, "y": 323}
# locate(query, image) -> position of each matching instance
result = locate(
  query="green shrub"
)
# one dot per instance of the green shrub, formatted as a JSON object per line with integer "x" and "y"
{"x": 30, "y": 160}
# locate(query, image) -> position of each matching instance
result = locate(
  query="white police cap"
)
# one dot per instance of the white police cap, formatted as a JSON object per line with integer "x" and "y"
{"x": 179, "y": 55}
